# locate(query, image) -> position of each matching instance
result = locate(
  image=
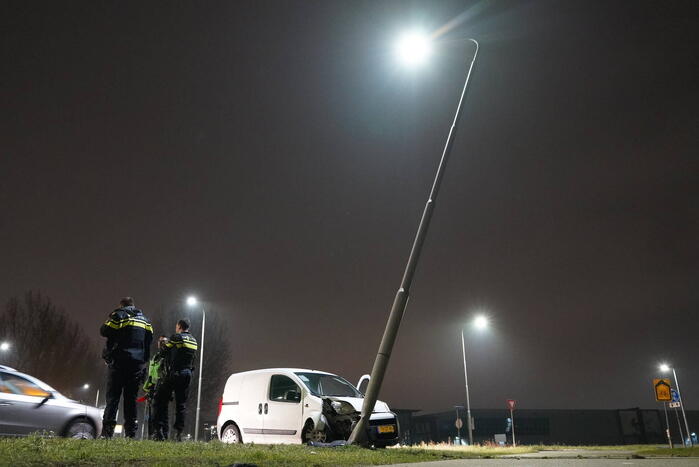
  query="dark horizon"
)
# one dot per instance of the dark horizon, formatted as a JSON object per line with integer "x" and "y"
{"x": 273, "y": 159}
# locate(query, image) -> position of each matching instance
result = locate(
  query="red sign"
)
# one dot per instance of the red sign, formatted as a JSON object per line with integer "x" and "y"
{"x": 511, "y": 404}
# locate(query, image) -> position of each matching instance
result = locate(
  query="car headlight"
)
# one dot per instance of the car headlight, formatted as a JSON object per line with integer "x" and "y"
{"x": 343, "y": 408}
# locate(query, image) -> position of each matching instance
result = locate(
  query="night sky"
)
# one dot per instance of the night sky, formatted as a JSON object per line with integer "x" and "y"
{"x": 274, "y": 159}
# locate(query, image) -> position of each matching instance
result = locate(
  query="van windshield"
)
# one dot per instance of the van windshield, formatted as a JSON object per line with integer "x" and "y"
{"x": 328, "y": 385}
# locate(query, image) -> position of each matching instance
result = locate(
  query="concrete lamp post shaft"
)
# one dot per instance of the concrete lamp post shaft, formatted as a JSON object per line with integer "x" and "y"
{"x": 468, "y": 397}
{"x": 359, "y": 435}
{"x": 201, "y": 370}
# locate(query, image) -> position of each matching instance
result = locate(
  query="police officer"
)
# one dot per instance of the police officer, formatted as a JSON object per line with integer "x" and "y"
{"x": 129, "y": 335}
{"x": 179, "y": 351}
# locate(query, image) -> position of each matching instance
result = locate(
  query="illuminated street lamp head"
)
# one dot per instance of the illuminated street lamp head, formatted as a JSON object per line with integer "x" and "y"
{"x": 5, "y": 346}
{"x": 191, "y": 301}
{"x": 86, "y": 386}
{"x": 413, "y": 48}
{"x": 664, "y": 367}
{"x": 481, "y": 322}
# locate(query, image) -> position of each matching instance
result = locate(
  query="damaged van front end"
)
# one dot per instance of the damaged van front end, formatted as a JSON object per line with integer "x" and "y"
{"x": 339, "y": 413}
{"x": 340, "y": 417}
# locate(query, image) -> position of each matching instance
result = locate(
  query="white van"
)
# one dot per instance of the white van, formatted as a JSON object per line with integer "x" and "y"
{"x": 289, "y": 405}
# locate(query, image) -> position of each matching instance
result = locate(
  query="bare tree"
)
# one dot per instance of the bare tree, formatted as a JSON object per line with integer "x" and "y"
{"x": 219, "y": 363}
{"x": 48, "y": 344}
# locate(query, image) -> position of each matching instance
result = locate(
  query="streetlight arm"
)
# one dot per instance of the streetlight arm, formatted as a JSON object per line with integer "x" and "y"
{"x": 400, "y": 301}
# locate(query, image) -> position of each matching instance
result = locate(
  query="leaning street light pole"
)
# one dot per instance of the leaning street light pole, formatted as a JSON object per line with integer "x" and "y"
{"x": 666, "y": 367}
{"x": 480, "y": 323}
{"x": 421, "y": 47}
{"x": 468, "y": 398}
{"x": 192, "y": 301}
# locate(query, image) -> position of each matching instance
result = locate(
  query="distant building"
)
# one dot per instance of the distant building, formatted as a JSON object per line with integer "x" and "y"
{"x": 572, "y": 427}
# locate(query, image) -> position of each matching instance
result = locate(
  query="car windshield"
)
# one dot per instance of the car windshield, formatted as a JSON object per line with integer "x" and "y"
{"x": 321, "y": 384}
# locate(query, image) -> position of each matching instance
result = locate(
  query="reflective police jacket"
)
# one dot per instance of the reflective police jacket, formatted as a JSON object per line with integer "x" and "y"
{"x": 129, "y": 335}
{"x": 156, "y": 373}
{"x": 180, "y": 351}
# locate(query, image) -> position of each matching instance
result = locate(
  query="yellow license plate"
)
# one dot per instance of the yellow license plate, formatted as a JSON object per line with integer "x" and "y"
{"x": 387, "y": 429}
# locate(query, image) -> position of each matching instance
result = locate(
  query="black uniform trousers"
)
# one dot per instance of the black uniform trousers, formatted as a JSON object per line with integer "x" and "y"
{"x": 177, "y": 382}
{"x": 153, "y": 422}
{"x": 122, "y": 379}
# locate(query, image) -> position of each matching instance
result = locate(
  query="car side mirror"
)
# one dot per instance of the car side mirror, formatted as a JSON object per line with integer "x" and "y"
{"x": 294, "y": 396}
{"x": 44, "y": 400}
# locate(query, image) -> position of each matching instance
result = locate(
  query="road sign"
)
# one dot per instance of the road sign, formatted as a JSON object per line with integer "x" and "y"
{"x": 675, "y": 395}
{"x": 458, "y": 423}
{"x": 511, "y": 404}
{"x": 662, "y": 389}
{"x": 674, "y": 405}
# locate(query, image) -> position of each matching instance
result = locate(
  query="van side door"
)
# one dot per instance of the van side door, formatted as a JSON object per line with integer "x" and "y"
{"x": 283, "y": 411}
{"x": 253, "y": 396}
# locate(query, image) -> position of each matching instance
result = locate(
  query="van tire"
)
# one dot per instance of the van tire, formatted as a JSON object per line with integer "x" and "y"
{"x": 231, "y": 434}
{"x": 309, "y": 433}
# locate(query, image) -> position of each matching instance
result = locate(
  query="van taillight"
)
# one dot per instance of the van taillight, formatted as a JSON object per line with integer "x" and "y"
{"x": 220, "y": 406}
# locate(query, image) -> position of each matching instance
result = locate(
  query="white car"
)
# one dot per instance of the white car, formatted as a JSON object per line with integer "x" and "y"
{"x": 29, "y": 405}
{"x": 289, "y": 405}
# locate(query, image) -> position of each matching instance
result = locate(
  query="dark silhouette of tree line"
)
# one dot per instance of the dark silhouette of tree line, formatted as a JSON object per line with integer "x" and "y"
{"x": 47, "y": 343}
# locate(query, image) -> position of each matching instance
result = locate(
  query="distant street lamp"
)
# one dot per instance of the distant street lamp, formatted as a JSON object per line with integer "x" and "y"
{"x": 5, "y": 348}
{"x": 665, "y": 368}
{"x": 86, "y": 386}
{"x": 192, "y": 302}
{"x": 480, "y": 323}
{"x": 412, "y": 49}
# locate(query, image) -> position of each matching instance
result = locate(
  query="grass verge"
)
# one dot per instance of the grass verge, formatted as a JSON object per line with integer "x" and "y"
{"x": 36, "y": 450}
{"x": 666, "y": 452}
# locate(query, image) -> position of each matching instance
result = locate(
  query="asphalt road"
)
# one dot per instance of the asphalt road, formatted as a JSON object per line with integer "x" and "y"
{"x": 530, "y": 462}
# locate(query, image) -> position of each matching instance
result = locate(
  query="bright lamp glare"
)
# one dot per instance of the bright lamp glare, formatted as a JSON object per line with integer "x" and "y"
{"x": 664, "y": 367}
{"x": 191, "y": 301}
{"x": 481, "y": 322}
{"x": 413, "y": 48}
{"x": 5, "y": 346}
{"x": 86, "y": 386}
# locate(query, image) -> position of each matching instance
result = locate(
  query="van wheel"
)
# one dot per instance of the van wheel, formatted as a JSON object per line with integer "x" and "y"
{"x": 231, "y": 435}
{"x": 311, "y": 434}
